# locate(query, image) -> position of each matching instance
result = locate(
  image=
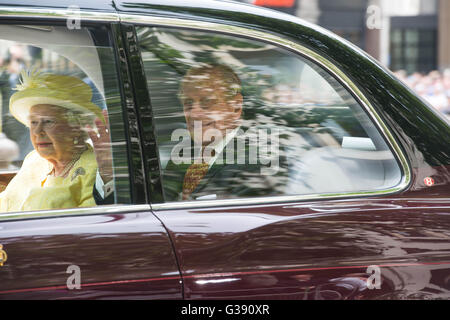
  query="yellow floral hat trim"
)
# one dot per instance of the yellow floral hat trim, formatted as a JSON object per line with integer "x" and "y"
{"x": 45, "y": 88}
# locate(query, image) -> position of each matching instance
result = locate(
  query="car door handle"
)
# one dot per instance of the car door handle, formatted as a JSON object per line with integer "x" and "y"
{"x": 3, "y": 256}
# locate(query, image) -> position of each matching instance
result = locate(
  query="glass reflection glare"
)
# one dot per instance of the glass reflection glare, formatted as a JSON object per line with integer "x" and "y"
{"x": 201, "y": 282}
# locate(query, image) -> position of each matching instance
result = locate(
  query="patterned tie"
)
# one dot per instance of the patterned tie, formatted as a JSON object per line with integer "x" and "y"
{"x": 194, "y": 174}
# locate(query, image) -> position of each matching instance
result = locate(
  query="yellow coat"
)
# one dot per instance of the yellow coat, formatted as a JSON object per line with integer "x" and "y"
{"x": 34, "y": 189}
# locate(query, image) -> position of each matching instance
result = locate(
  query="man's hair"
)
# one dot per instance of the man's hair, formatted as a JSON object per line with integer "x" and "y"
{"x": 229, "y": 77}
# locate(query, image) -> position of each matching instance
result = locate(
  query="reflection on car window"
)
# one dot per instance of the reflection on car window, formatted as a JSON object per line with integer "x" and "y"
{"x": 241, "y": 118}
{"x": 57, "y": 91}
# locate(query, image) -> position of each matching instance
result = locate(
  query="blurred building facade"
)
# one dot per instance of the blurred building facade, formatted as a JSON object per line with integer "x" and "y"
{"x": 401, "y": 34}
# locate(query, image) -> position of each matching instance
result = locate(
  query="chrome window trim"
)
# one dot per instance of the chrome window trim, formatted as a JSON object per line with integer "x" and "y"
{"x": 57, "y": 14}
{"x": 59, "y": 213}
{"x": 303, "y": 51}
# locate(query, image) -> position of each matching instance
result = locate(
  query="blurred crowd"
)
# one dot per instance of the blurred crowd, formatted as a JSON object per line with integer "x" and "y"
{"x": 12, "y": 63}
{"x": 12, "y": 134}
{"x": 434, "y": 87}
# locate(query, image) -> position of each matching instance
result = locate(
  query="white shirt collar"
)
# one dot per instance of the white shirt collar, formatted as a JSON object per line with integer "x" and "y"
{"x": 220, "y": 145}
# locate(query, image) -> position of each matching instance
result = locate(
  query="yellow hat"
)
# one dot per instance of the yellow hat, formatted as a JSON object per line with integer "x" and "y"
{"x": 64, "y": 91}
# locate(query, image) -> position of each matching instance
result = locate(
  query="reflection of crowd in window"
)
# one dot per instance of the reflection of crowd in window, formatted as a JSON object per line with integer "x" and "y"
{"x": 13, "y": 134}
{"x": 285, "y": 95}
{"x": 434, "y": 87}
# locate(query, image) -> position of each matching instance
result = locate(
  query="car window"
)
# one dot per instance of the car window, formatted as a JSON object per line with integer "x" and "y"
{"x": 240, "y": 118}
{"x": 62, "y": 140}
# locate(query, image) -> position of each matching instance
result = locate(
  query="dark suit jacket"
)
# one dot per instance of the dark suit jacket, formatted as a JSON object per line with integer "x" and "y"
{"x": 225, "y": 180}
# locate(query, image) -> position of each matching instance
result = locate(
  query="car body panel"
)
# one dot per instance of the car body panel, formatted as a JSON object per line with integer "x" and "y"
{"x": 314, "y": 250}
{"x": 119, "y": 255}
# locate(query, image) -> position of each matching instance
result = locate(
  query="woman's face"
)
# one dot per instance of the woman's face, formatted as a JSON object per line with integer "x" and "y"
{"x": 51, "y": 134}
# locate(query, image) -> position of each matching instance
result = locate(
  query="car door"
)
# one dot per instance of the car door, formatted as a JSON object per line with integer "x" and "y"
{"x": 327, "y": 217}
{"x": 113, "y": 250}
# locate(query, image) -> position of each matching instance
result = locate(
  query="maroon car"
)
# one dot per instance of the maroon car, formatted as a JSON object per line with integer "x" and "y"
{"x": 325, "y": 176}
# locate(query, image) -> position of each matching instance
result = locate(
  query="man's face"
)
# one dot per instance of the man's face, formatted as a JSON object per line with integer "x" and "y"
{"x": 210, "y": 101}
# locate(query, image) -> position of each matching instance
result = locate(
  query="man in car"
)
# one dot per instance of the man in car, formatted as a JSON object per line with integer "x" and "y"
{"x": 220, "y": 165}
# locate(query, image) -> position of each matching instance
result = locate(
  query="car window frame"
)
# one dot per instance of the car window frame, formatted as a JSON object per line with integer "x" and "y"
{"x": 302, "y": 51}
{"x": 137, "y": 180}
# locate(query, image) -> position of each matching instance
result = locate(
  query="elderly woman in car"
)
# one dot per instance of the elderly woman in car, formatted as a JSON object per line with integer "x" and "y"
{"x": 62, "y": 170}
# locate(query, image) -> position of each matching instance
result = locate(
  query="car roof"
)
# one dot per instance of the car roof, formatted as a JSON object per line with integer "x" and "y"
{"x": 209, "y": 9}
{"x": 207, "y": 6}
{"x": 104, "y": 5}
{"x": 139, "y": 5}
{"x": 178, "y": 7}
